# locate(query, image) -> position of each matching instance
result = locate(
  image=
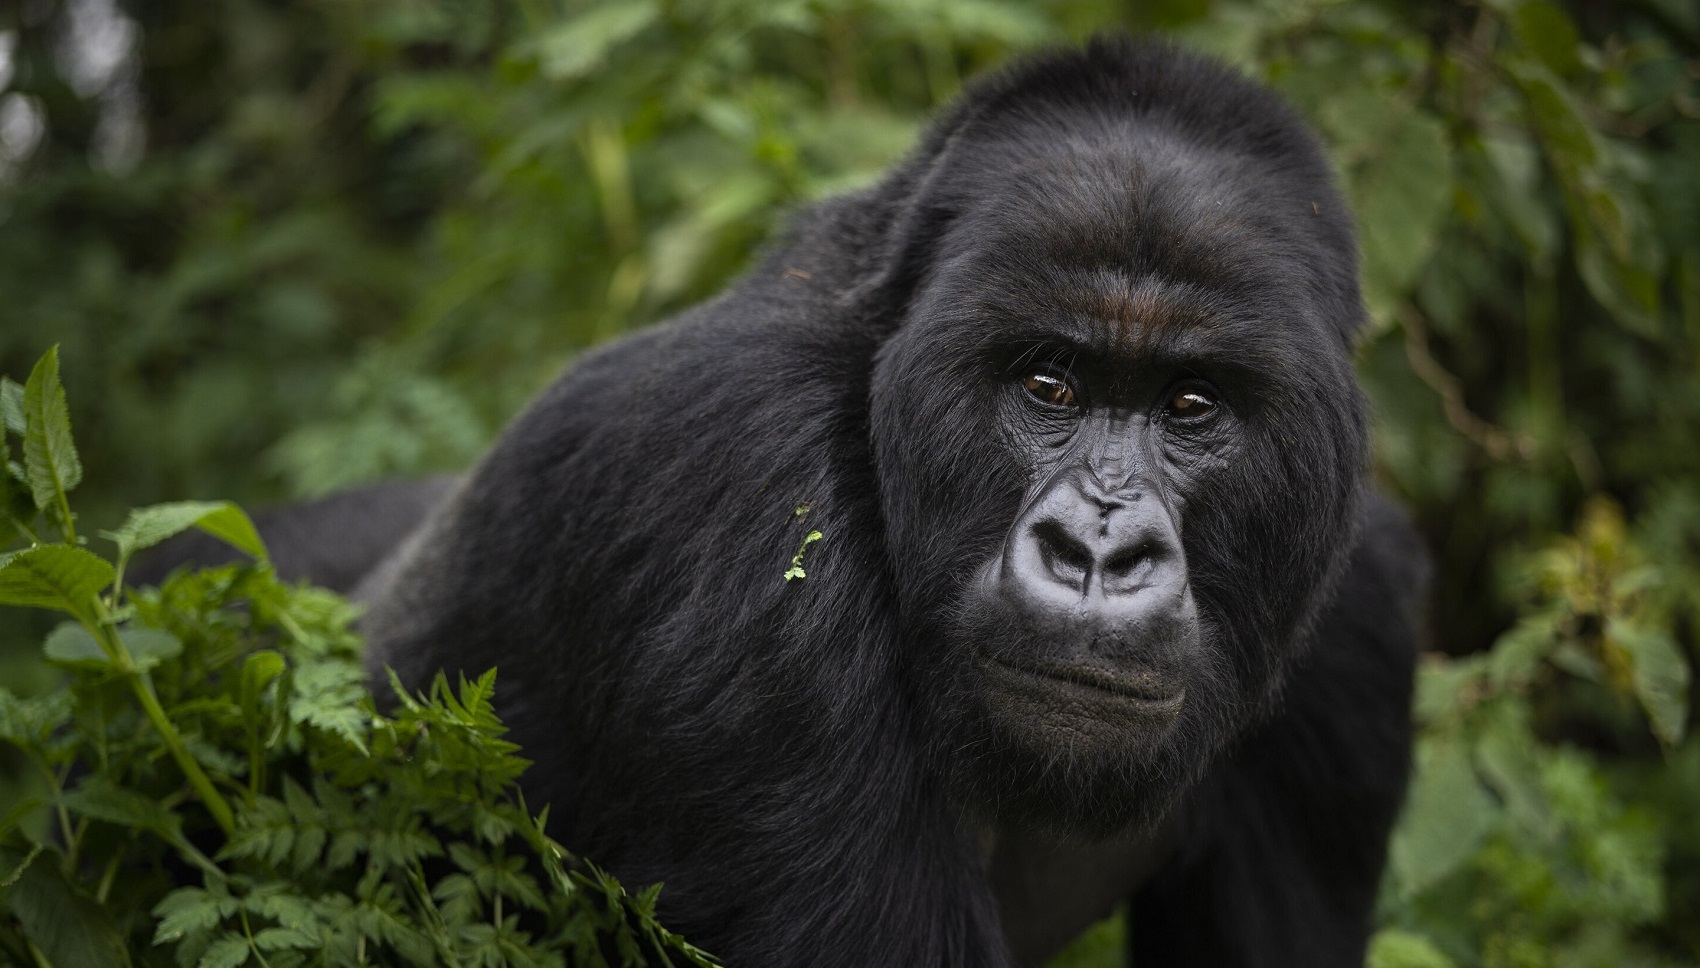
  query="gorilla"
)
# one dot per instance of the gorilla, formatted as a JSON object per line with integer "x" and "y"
{"x": 998, "y": 550}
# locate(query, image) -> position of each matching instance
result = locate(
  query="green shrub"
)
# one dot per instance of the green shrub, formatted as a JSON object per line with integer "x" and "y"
{"x": 216, "y": 787}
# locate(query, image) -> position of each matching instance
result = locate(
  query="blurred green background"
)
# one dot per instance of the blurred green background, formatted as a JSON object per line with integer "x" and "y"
{"x": 292, "y": 246}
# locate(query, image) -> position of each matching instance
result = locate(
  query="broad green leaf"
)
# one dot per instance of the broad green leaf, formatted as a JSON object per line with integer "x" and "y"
{"x": 186, "y": 910}
{"x": 146, "y": 527}
{"x": 1624, "y": 286}
{"x": 98, "y": 798}
{"x": 1514, "y": 158}
{"x": 1661, "y": 674}
{"x": 12, "y": 868}
{"x": 1519, "y": 654}
{"x": 1446, "y": 816}
{"x": 1547, "y": 33}
{"x": 1102, "y": 945}
{"x": 50, "y": 457}
{"x": 30, "y": 722}
{"x": 258, "y": 671}
{"x": 55, "y": 576}
{"x": 1447, "y": 686}
{"x": 12, "y": 405}
{"x": 1506, "y": 754}
{"x": 1393, "y": 948}
{"x": 1399, "y": 174}
{"x": 58, "y": 918}
{"x": 227, "y": 952}
{"x": 578, "y": 47}
{"x": 1569, "y": 141}
{"x": 72, "y": 645}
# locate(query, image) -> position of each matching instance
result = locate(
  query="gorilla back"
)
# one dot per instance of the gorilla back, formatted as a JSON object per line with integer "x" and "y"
{"x": 1101, "y": 608}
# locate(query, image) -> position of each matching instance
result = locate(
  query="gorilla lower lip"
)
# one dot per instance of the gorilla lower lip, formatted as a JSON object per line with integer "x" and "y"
{"x": 1154, "y": 696}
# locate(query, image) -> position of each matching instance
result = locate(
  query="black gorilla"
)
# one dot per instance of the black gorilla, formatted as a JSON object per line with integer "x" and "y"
{"x": 1102, "y": 608}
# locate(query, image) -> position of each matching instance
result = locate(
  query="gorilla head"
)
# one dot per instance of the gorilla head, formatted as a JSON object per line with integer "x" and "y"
{"x": 1118, "y": 437}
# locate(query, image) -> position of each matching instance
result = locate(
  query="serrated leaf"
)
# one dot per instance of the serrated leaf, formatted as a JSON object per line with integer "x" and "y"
{"x": 12, "y": 868}
{"x": 50, "y": 457}
{"x": 1393, "y": 948}
{"x": 66, "y": 924}
{"x": 12, "y": 405}
{"x": 1569, "y": 141}
{"x": 1401, "y": 195}
{"x": 258, "y": 671}
{"x": 227, "y": 952}
{"x": 1661, "y": 675}
{"x": 279, "y": 939}
{"x": 327, "y": 696}
{"x": 579, "y": 46}
{"x": 1445, "y": 816}
{"x": 71, "y": 645}
{"x": 148, "y": 526}
{"x": 1544, "y": 29}
{"x": 185, "y": 911}
{"x": 55, "y": 576}
{"x": 100, "y": 799}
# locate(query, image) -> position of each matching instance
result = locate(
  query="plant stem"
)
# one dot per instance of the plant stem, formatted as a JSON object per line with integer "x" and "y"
{"x": 66, "y": 528}
{"x": 142, "y": 685}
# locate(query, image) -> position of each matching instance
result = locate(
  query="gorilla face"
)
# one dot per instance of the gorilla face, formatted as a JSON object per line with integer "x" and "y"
{"x": 1119, "y": 443}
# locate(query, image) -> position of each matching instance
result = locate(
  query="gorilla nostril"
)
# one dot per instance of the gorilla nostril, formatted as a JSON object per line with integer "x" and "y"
{"x": 1122, "y": 563}
{"x": 1062, "y": 552}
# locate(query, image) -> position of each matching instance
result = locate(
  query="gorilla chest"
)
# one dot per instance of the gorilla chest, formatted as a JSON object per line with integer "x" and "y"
{"x": 1049, "y": 890}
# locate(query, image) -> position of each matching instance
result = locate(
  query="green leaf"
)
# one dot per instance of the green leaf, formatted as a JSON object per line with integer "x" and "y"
{"x": 98, "y": 798}
{"x": 1393, "y": 948}
{"x": 1547, "y": 33}
{"x": 1661, "y": 675}
{"x": 227, "y": 952}
{"x": 1570, "y": 142}
{"x": 12, "y": 405}
{"x": 1517, "y": 190}
{"x": 1398, "y": 166}
{"x": 327, "y": 696}
{"x": 55, "y": 576}
{"x": 146, "y": 527}
{"x": 257, "y": 672}
{"x": 186, "y": 910}
{"x": 796, "y": 570}
{"x": 72, "y": 645}
{"x": 1446, "y": 815}
{"x": 66, "y": 924}
{"x": 579, "y": 46}
{"x": 50, "y": 458}
{"x": 17, "y": 867}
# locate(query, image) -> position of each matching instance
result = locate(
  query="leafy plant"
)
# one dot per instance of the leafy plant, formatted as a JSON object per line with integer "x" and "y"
{"x": 218, "y": 789}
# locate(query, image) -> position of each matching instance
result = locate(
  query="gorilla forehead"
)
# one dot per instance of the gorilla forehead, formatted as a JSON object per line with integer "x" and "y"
{"x": 1135, "y": 241}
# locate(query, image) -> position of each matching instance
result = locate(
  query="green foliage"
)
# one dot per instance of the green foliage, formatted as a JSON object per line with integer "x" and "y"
{"x": 214, "y": 786}
{"x": 361, "y": 235}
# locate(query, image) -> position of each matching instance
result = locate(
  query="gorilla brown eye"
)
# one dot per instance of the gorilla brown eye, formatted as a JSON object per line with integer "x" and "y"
{"x": 1192, "y": 403}
{"x": 1048, "y": 389}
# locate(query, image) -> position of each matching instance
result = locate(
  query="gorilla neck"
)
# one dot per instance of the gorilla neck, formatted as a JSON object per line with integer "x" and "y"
{"x": 1049, "y": 889}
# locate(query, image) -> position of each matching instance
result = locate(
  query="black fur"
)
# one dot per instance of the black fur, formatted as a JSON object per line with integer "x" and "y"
{"x": 814, "y": 767}
{"x": 336, "y": 541}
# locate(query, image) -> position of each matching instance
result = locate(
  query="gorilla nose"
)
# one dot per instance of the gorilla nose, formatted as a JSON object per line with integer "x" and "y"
{"x": 1075, "y": 544}
{"x": 1084, "y": 558}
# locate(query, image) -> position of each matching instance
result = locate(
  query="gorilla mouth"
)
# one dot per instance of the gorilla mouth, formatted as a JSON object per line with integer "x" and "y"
{"x": 1149, "y": 693}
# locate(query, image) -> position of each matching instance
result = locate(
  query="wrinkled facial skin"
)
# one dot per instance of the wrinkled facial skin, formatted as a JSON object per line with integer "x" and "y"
{"x": 1088, "y": 632}
{"x": 1120, "y": 470}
